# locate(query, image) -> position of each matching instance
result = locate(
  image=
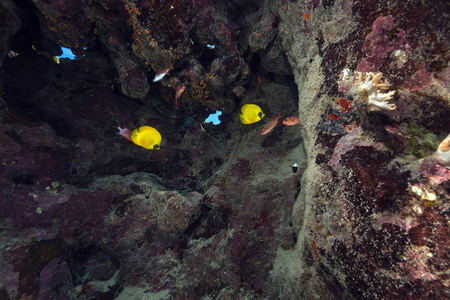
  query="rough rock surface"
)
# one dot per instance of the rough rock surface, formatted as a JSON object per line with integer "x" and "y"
{"x": 217, "y": 212}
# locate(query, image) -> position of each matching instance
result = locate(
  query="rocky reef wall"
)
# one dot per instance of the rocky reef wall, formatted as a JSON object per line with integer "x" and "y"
{"x": 372, "y": 215}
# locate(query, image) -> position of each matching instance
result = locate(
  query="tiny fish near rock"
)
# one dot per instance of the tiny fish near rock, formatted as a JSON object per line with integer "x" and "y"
{"x": 291, "y": 121}
{"x": 271, "y": 125}
{"x": 179, "y": 91}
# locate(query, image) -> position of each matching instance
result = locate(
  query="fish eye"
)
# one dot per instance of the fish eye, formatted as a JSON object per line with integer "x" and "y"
{"x": 260, "y": 115}
{"x": 156, "y": 146}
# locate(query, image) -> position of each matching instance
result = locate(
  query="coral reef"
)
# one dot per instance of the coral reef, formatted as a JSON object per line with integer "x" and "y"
{"x": 352, "y": 203}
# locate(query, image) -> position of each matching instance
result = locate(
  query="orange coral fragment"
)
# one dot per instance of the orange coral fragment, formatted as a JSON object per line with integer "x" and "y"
{"x": 345, "y": 104}
{"x": 314, "y": 247}
{"x": 332, "y": 117}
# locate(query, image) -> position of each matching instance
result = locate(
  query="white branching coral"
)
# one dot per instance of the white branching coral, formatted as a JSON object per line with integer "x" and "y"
{"x": 370, "y": 92}
{"x": 443, "y": 151}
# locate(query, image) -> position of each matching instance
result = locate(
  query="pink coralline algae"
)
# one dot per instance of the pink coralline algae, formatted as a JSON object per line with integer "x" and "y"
{"x": 421, "y": 79}
{"x": 425, "y": 76}
{"x": 385, "y": 37}
{"x": 434, "y": 171}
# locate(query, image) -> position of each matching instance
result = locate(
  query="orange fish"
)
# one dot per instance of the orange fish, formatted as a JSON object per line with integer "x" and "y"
{"x": 291, "y": 121}
{"x": 271, "y": 125}
{"x": 260, "y": 81}
{"x": 179, "y": 91}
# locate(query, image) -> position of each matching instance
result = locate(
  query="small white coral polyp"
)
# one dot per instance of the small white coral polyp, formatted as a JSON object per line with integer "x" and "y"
{"x": 443, "y": 151}
{"x": 369, "y": 90}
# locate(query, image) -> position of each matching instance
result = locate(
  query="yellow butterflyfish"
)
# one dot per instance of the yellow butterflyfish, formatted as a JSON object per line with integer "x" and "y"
{"x": 251, "y": 113}
{"x": 145, "y": 136}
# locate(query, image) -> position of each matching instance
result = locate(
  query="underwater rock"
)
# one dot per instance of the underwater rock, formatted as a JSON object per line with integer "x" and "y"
{"x": 55, "y": 280}
{"x": 274, "y": 60}
{"x": 179, "y": 212}
{"x": 133, "y": 83}
{"x": 9, "y": 25}
{"x": 218, "y": 212}
{"x": 229, "y": 72}
{"x": 264, "y": 31}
